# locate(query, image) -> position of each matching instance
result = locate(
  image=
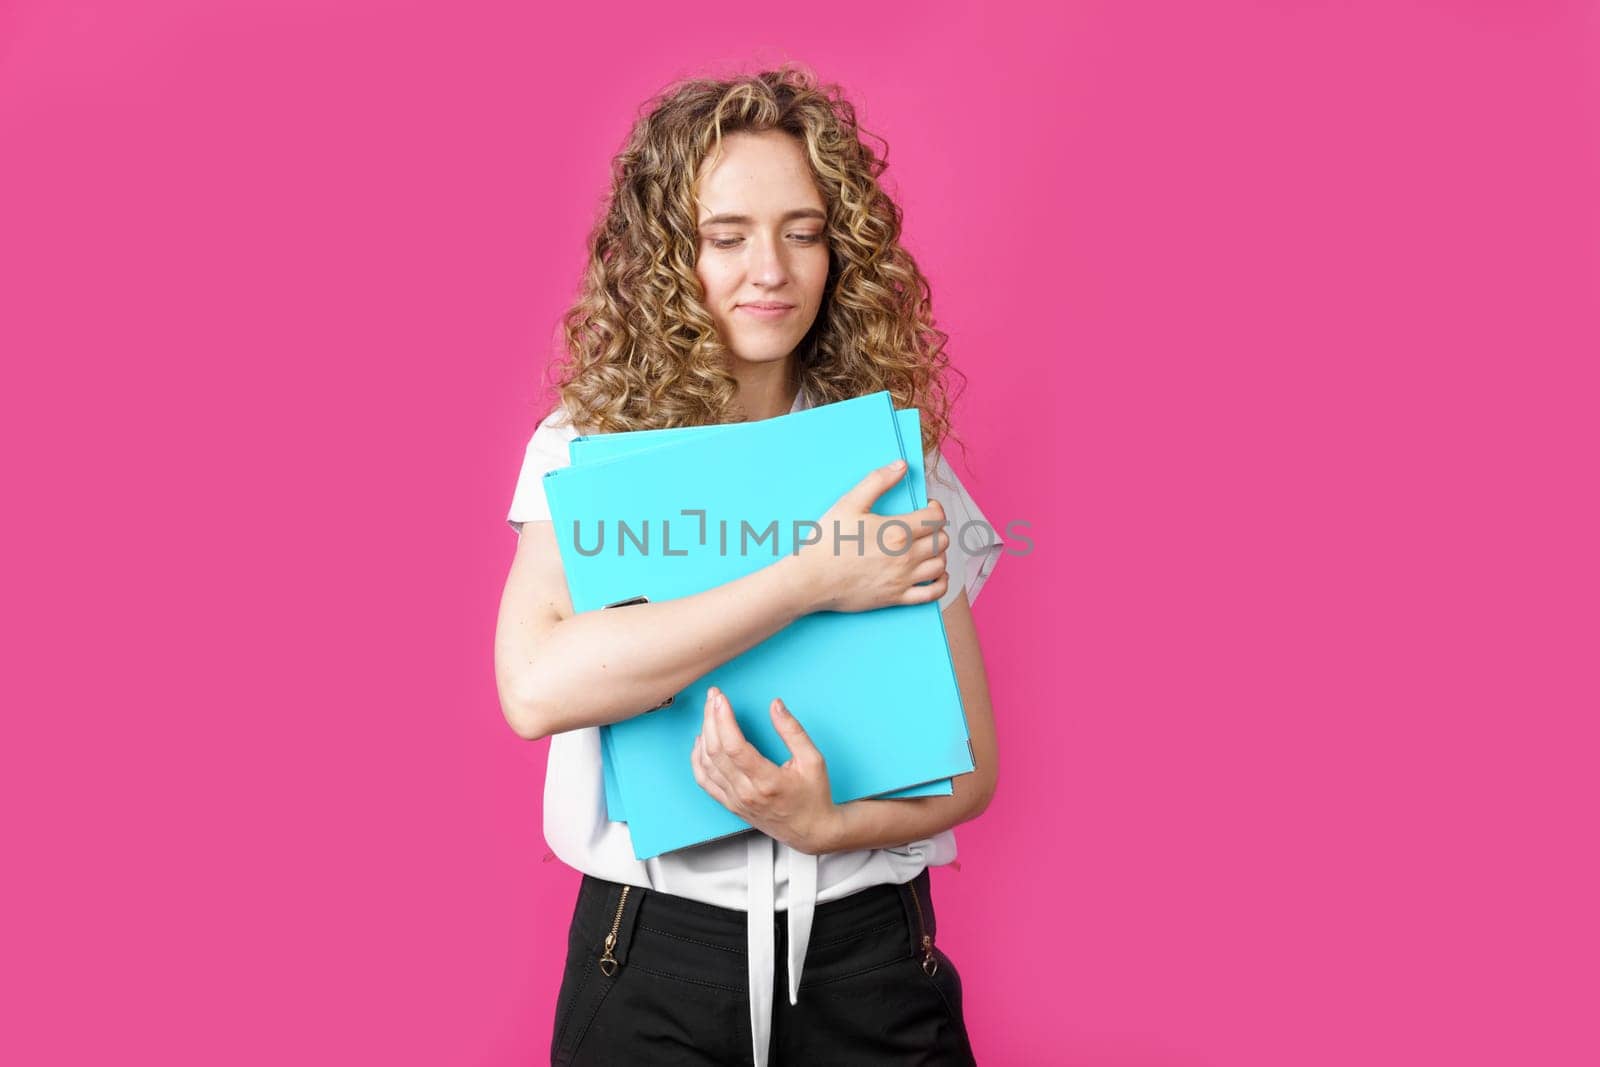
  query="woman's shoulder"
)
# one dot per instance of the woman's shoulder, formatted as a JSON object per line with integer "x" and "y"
{"x": 974, "y": 545}
{"x": 939, "y": 475}
{"x": 554, "y": 430}
{"x": 546, "y": 451}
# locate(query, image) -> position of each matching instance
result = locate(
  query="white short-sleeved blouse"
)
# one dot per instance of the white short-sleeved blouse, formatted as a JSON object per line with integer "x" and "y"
{"x": 750, "y": 871}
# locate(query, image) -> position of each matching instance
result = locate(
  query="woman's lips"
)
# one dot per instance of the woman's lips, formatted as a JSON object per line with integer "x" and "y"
{"x": 766, "y": 312}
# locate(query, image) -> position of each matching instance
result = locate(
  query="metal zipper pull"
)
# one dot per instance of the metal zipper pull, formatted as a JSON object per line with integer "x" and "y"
{"x": 611, "y": 938}
{"x": 930, "y": 962}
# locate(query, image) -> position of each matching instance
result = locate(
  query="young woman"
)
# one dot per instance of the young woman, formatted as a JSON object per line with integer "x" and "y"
{"x": 747, "y": 265}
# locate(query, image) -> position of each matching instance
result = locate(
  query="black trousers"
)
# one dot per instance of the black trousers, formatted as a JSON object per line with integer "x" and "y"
{"x": 673, "y": 988}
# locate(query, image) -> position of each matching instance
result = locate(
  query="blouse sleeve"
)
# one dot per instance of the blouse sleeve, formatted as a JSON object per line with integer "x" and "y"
{"x": 975, "y": 545}
{"x": 546, "y": 451}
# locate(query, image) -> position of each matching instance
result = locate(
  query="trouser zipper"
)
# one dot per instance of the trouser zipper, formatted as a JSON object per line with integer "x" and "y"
{"x": 930, "y": 962}
{"x": 611, "y": 938}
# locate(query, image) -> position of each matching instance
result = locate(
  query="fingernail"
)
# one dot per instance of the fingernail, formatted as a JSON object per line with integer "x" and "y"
{"x": 897, "y": 464}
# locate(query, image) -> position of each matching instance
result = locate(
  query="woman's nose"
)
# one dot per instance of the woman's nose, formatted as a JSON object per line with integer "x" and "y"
{"x": 769, "y": 267}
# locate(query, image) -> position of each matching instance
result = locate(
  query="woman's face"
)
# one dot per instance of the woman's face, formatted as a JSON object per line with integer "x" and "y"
{"x": 762, "y": 242}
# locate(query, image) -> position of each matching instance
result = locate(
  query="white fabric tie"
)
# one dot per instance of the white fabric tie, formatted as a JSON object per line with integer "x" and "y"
{"x": 760, "y": 888}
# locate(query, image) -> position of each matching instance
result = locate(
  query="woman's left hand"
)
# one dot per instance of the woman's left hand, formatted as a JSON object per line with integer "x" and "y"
{"x": 791, "y": 803}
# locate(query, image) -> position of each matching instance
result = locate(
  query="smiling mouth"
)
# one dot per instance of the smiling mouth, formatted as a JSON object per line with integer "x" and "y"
{"x": 767, "y": 313}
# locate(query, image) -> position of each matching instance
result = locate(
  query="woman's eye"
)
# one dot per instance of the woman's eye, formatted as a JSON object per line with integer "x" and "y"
{"x": 729, "y": 242}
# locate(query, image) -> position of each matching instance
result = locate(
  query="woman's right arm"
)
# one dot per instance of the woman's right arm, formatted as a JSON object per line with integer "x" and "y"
{"x": 557, "y": 670}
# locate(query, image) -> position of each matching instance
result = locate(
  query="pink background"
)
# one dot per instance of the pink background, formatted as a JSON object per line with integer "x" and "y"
{"x": 1281, "y": 324}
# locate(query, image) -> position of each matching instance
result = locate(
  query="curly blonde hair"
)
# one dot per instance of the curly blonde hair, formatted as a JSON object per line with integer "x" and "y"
{"x": 642, "y": 349}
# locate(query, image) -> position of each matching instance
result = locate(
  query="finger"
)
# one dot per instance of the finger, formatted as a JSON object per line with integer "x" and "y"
{"x": 921, "y": 594}
{"x": 927, "y": 517}
{"x": 719, "y": 738}
{"x": 713, "y": 756}
{"x": 714, "y": 774}
{"x": 801, "y": 749}
{"x": 930, "y": 568}
{"x": 928, "y": 536}
{"x": 709, "y": 778}
{"x": 695, "y": 762}
{"x": 866, "y": 492}
{"x": 703, "y": 776}
{"x": 752, "y": 776}
{"x": 929, "y": 543}
{"x": 712, "y": 739}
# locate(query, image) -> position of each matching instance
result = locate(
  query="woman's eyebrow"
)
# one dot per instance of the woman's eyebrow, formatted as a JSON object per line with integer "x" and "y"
{"x": 745, "y": 220}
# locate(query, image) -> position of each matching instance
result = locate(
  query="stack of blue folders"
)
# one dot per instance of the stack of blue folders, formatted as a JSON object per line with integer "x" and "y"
{"x": 661, "y": 514}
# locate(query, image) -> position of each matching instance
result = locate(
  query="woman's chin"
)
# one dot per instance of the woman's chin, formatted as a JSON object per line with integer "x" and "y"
{"x": 760, "y": 355}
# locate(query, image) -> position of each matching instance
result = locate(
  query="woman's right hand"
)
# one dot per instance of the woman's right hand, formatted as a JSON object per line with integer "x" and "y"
{"x": 883, "y": 567}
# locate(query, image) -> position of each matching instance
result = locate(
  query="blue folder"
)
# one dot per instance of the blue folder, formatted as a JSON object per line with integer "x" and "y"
{"x": 886, "y": 713}
{"x": 590, "y": 448}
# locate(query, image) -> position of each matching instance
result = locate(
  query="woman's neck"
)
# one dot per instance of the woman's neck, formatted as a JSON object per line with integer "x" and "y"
{"x": 767, "y": 390}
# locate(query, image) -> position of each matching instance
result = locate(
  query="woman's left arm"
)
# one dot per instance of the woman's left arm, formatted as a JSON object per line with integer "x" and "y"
{"x": 792, "y": 803}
